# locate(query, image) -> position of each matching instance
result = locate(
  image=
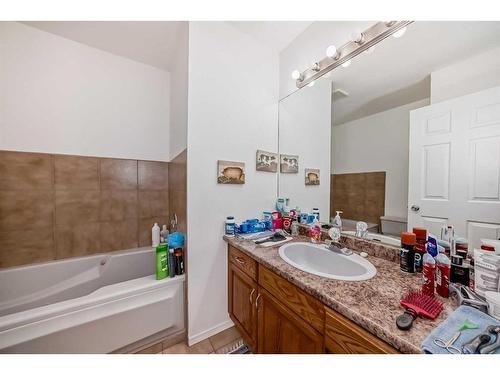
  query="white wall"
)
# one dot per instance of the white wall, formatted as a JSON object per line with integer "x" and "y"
{"x": 476, "y": 73}
{"x": 232, "y": 112}
{"x": 179, "y": 93}
{"x": 60, "y": 96}
{"x": 305, "y": 130}
{"x": 310, "y": 46}
{"x": 379, "y": 142}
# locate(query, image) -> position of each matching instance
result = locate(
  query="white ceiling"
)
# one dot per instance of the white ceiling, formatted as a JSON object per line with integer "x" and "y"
{"x": 149, "y": 42}
{"x": 275, "y": 34}
{"x": 397, "y": 72}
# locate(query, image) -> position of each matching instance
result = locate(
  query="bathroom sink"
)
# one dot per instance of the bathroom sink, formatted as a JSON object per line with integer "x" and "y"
{"x": 378, "y": 237}
{"x": 318, "y": 260}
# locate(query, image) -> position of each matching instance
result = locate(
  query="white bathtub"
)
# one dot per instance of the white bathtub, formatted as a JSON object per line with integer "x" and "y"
{"x": 93, "y": 304}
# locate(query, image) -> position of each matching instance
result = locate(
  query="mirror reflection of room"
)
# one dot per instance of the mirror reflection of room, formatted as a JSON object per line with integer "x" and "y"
{"x": 408, "y": 119}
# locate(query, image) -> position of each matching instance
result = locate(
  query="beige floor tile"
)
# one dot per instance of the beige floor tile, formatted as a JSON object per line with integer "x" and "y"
{"x": 154, "y": 349}
{"x": 203, "y": 347}
{"x": 225, "y": 337}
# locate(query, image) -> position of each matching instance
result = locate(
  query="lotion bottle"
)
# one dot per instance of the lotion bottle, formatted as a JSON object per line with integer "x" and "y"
{"x": 155, "y": 235}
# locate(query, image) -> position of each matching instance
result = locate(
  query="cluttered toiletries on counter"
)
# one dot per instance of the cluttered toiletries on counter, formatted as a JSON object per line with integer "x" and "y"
{"x": 169, "y": 251}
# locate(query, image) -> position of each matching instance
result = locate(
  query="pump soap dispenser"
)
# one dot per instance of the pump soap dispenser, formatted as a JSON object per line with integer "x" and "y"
{"x": 337, "y": 221}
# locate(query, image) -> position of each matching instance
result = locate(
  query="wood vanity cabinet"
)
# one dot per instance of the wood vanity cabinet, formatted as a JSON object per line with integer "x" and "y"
{"x": 275, "y": 316}
{"x": 281, "y": 331}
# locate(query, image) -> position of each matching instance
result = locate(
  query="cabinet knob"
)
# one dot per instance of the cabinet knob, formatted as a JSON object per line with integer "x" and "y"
{"x": 415, "y": 208}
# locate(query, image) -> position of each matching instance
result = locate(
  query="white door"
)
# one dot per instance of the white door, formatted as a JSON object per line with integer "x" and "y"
{"x": 454, "y": 172}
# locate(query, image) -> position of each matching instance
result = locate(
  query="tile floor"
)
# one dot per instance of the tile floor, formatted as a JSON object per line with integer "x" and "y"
{"x": 219, "y": 343}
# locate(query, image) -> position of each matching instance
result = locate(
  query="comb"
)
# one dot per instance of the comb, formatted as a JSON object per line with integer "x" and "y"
{"x": 418, "y": 304}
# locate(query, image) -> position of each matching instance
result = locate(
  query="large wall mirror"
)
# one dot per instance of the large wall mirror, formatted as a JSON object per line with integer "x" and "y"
{"x": 407, "y": 135}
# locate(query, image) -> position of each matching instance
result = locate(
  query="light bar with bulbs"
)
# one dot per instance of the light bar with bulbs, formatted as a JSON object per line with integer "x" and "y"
{"x": 342, "y": 56}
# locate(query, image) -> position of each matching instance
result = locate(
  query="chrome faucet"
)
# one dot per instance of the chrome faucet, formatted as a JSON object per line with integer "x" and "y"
{"x": 361, "y": 229}
{"x": 337, "y": 247}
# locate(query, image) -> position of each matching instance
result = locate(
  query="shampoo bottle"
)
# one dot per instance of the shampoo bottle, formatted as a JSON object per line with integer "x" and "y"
{"x": 161, "y": 261}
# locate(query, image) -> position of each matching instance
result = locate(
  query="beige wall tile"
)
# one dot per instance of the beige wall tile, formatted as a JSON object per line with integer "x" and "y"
{"x": 118, "y": 235}
{"x": 118, "y": 205}
{"x": 26, "y": 209}
{"x": 18, "y": 247}
{"x": 25, "y": 171}
{"x": 153, "y": 203}
{"x": 117, "y": 174}
{"x": 153, "y": 175}
{"x": 77, "y": 206}
{"x": 79, "y": 239}
{"x": 76, "y": 172}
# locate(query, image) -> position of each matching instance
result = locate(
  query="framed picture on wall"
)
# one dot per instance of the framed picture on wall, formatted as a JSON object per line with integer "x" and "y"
{"x": 266, "y": 161}
{"x": 289, "y": 163}
{"x": 230, "y": 172}
{"x": 312, "y": 176}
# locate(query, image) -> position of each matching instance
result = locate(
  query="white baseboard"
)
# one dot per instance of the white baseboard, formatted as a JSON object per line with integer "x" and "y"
{"x": 209, "y": 332}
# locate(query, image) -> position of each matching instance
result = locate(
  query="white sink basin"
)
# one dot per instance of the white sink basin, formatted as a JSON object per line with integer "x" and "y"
{"x": 318, "y": 260}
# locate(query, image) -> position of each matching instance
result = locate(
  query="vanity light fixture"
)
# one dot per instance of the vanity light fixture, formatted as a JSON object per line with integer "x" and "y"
{"x": 399, "y": 33}
{"x": 341, "y": 56}
{"x": 332, "y": 52}
{"x": 296, "y": 75}
{"x": 357, "y": 37}
{"x": 346, "y": 64}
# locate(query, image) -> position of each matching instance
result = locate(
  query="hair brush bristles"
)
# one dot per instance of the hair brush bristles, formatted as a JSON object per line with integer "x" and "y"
{"x": 423, "y": 305}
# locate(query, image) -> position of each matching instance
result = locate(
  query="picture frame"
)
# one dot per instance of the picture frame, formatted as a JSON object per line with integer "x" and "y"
{"x": 266, "y": 161}
{"x": 230, "y": 172}
{"x": 289, "y": 163}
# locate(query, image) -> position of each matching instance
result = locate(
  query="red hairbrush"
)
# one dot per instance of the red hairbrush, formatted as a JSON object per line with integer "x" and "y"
{"x": 418, "y": 304}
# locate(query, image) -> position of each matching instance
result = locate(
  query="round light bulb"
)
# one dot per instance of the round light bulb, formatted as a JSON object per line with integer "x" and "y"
{"x": 399, "y": 33}
{"x": 331, "y": 51}
{"x": 346, "y": 64}
{"x": 296, "y": 74}
{"x": 311, "y": 84}
{"x": 357, "y": 36}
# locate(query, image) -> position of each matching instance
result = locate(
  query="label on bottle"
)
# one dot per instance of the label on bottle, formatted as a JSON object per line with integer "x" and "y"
{"x": 406, "y": 260}
{"x": 428, "y": 276}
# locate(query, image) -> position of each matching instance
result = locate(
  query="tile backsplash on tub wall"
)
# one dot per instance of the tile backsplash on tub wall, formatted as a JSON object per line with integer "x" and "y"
{"x": 61, "y": 206}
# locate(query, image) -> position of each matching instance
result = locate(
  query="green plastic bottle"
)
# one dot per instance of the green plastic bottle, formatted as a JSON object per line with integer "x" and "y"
{"x": 161, "y": 261}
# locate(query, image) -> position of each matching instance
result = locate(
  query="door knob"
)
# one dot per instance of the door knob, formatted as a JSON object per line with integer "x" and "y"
{"x": 415, "y": 208}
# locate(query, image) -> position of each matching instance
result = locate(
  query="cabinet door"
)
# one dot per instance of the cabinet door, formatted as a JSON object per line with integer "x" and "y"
{"x": 242, "y": 294}
{"x": 281, "y": 331}
{"x": 343, "y": 336}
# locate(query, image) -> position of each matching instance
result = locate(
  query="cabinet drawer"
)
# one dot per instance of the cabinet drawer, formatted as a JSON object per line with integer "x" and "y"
{"x": 304, "y": 305}
{"x": 243, "y": 262}
{"x": 343, "y": 336}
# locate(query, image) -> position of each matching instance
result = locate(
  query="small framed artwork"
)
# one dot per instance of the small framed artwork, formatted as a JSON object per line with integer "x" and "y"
{"x": 289, "y": 163}
{"x": 230, "y": 172}
{"x": 312, "y": 176}
{"x": 266, "y": 161}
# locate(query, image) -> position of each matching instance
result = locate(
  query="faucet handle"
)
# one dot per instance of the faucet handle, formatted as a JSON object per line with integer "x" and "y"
{"x": 361, "y": 226}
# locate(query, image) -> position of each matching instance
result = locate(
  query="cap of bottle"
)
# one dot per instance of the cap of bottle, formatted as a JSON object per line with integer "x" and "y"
{"x": 408, "y": 238}
{"x": 421, "y": 233}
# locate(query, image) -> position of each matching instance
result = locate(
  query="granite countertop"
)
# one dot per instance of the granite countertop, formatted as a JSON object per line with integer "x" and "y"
{"x": 373, "y": 304}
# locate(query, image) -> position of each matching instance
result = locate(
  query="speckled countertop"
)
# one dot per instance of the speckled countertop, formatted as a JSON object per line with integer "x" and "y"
{"x": 373, "y": 304}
